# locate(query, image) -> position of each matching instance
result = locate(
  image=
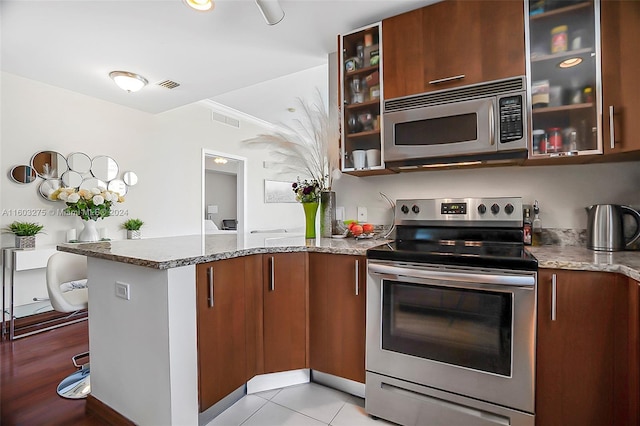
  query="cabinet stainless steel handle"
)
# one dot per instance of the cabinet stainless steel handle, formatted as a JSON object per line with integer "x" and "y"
{"x": 612, "y": 129}
{"x": 554, "y": 296}
{"x": 272, "y": 277}
{"x": 444, "y": 80}
{"x": 357, "y": 277}
{"x": 210, "y": 279}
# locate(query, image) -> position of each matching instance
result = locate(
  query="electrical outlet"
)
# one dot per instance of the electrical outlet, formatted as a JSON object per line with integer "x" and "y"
{"x": 123, "y": 290}
{"x": 340, "y": 213}
{"x": 362, "y": 214}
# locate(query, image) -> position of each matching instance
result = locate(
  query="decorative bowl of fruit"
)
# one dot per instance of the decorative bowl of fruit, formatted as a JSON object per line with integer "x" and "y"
{"x": 358, "y": 231}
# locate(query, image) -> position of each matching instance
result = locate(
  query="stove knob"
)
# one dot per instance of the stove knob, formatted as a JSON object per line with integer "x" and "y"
{"x": 482, "y": 209}
{"x": 495, "y": 209}
{"x": 509, "y": 208}
{"x": 415, "y": 209}
{"x": 404, "y": 209}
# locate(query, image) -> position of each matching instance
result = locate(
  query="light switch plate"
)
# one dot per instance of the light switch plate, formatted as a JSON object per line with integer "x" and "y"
{"x": 123, "y": 290}
{"x": 340, "y": 213}
{"x": 362, "y": 214}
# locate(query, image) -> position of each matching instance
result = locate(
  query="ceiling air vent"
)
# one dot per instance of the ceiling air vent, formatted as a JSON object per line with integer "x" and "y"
{"x": 168, "y": 84}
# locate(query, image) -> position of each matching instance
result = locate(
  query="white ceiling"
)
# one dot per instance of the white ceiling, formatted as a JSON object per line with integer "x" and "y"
{"x": 74, "y": 44}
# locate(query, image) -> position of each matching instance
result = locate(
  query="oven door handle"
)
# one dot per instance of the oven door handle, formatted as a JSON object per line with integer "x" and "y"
{"x": 396, "y": 272}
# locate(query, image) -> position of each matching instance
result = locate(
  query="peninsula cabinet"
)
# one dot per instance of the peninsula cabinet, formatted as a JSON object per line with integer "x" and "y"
{"x": 620, "y": 35}
{"x": 285, "y": 311}
{"x": 453, "y": 43}
{"x": 220, "y": 294}
{"x": 337, "y": 314}
{"x": 582, "y": 351}
{"x": 634, "y": 352}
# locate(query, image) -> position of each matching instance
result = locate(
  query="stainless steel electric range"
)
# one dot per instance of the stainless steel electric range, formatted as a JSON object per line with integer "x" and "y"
{"x": 451, "y": 316}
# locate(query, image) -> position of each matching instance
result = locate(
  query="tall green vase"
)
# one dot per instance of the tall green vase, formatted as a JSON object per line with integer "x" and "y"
{"x": 310, "y": 210}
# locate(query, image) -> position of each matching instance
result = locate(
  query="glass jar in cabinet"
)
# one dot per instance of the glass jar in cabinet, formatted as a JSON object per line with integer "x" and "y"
{"x": 361, "y": 97}
{"x": 563, "y": 64}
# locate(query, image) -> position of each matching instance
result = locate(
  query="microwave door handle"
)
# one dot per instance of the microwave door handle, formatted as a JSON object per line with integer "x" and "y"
{"x": 492, "y": 123}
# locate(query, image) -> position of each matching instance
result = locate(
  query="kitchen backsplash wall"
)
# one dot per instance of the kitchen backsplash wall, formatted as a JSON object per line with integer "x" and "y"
{"x": 562, "y": 191}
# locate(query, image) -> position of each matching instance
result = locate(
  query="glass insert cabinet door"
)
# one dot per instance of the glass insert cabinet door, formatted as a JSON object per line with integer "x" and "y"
{"x": 564, "y": 75}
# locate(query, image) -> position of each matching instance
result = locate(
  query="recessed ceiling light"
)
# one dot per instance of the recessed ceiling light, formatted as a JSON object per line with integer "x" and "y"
{"x": 129, "y": 81}
{"x": 200, "y": 5}
{"x": 571, "y": 62}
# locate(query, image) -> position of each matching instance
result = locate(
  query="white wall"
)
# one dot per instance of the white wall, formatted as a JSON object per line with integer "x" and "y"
{"x": 221, "y": 190}
{"x": 165, "y": 150}
{"x": 562, "y": 191}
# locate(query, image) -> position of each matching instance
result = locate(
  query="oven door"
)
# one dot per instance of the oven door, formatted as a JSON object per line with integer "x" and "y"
{"x": 469, "y": 331}
{"x": 457, "y": 128}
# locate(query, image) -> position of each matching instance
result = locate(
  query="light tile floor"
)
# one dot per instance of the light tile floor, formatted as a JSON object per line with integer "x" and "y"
{"x": 309, "y": 404}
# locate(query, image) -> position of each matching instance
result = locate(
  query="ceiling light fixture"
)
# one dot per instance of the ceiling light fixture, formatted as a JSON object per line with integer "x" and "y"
{"x": 271, "y": 11}
{"x": 571, "y": 62}
{"x": 200, "y": 5}
{"x": 220, "y": 160}
{"x": 129, "y": 81}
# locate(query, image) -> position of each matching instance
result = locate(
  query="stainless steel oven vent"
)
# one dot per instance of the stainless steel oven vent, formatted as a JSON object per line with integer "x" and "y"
{"x": 168, "y": 84}
{"x": 452, "y": 95}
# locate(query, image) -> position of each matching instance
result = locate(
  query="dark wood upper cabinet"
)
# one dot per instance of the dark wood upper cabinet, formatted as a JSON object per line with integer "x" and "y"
{"x": 620, "y": 34}
{"x": 452, "y": 43}
{"x": 337, "y": 314}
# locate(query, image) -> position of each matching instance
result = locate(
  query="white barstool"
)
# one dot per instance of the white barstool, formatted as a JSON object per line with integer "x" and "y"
{"x": 67, "y": 288}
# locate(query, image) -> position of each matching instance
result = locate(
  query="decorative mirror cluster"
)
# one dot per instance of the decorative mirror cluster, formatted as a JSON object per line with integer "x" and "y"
{"x": 77, "y": 170}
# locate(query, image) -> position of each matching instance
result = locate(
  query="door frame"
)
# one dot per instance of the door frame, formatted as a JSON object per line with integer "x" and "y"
{"x": 241, "y": 188}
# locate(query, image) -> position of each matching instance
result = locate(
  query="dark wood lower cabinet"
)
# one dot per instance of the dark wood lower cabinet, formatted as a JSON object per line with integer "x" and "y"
{"x": 222, "y": 346}
{"x": 337, "y": 314}
{"x": 634, "y": 352}
{"x": 582, "y": 352}
{"x": 285, "y": 298}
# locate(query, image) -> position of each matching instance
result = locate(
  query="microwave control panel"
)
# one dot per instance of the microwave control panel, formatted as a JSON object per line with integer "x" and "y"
{"x": 511, "y": 118}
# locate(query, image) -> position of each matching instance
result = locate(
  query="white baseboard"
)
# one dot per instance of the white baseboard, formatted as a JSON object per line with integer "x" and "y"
{"x": 271, "y": 381}
{"x": 340, "y": 383}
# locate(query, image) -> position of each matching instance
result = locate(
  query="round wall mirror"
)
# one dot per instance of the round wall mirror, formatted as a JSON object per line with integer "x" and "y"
{"x": 118, "y": 186}
{"x": 130, "y": 178}
{"x": 23, "y": 174}
{"x": 47, "y": 187}
{"x": 91, "y": 183}
{"x": 71, "y": 179}
{"x": 104, "y": 168}
{"x": 79, "y": 162}
{"x": 49, "y": 164}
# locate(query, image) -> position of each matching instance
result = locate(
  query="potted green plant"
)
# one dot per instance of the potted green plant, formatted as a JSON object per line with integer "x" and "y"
{"x": 25, "y": 233}
{"x": 133, "y": 228}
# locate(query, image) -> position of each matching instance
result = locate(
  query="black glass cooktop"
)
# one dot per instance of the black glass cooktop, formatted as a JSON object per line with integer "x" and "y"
{"x": 488, "y": 254}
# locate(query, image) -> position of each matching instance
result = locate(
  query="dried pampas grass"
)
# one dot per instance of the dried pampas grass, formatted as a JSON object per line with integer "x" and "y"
{"x": 309, "y": 148}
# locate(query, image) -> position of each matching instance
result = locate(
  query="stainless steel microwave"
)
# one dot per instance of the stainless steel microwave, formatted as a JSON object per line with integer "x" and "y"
{"x": 484, "y": 122}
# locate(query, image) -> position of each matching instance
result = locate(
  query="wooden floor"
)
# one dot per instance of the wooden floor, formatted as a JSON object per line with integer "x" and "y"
{"x": 31, "y": 369}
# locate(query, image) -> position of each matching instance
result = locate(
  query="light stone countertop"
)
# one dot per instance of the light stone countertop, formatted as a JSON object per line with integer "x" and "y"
{"x": 582, "y": 259}
{"x": 172, "y": 252}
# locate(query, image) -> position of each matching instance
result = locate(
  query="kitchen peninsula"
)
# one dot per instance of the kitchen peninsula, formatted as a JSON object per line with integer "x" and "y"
{"x": 143, "y": 325}
{"x": 144, "y": 350}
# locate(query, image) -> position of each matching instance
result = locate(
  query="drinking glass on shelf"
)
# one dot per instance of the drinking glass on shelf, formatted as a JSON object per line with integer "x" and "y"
{"x": 357, "y": 94}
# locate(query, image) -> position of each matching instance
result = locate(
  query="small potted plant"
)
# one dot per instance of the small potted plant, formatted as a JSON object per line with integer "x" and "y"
{"x": 133, "y": 228}
{"x": 25, "y": 233}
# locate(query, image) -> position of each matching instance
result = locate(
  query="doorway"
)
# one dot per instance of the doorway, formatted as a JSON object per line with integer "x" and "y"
{"x": 224, "y": 192}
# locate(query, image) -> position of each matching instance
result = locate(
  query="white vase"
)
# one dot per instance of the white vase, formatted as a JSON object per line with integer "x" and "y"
{"x": 89, "y": 233}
